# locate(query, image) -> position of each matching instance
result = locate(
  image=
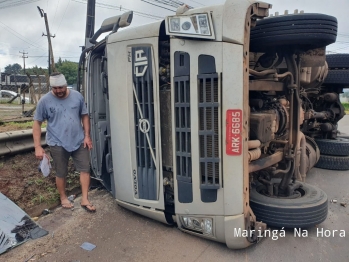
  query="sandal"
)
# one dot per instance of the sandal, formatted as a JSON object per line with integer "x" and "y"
{"x": 88, "y": 208}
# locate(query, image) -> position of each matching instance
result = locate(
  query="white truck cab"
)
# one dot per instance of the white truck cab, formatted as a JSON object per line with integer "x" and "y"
{"x": 196, "y": 119}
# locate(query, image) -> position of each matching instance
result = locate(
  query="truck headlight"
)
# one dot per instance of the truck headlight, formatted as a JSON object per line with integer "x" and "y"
{"x": 207, "y": 226}
{"x": 198, "y": 224}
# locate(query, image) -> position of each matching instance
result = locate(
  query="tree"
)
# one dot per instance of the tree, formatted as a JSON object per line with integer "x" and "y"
{"x": 59, "y": 62}
{"x": 13, "y": 69}
{"x": 36, "y": 70}
{"x": 69, "y": 70}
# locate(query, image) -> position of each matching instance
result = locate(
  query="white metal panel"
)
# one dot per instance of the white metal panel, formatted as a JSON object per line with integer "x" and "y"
{"x": 233, "y": 99}
{"x": 196, "y": 48}
{"x": 122, "y": 120}
{"x": 234, "y": 17}
{"x": 151, "y": 213}
{"x": 137, "y": 32}
{"x": 231, "y": 223}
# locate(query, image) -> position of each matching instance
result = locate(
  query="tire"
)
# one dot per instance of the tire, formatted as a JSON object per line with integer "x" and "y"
{"x": 299, "y": 30}
{"x": 306, "y": 211}
{"x": 333, "y": 162}
{"x": 312, "y": 147}
{"x": 334, "y": 147}
{"x": 340, "y": 76}
{"x": 337, "y": 61}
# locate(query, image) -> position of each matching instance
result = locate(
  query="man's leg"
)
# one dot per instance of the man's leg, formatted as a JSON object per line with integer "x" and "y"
{"x": 81, "y": 159}
{"x": 61, "y": 185}
{"x": 60, "y": 162}
{"x": 85, "y": 184}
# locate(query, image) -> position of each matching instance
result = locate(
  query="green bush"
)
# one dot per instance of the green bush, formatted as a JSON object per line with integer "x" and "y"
{"x": 346, "y": 106}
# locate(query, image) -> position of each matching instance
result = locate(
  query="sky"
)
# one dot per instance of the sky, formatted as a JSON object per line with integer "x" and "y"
{"x": 21, "y": 25}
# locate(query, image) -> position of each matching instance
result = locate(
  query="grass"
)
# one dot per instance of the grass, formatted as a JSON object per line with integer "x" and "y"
{"x": 15, "y": 103}
{"x": 49, "y": 194}
{"x": 46, "y": 191}
{"x": 346, "y": 107}
{"x": 22, "y": 125}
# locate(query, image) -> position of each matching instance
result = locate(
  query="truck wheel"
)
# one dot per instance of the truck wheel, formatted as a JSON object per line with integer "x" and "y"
{"x": 340, "y": 76}
{"x": 313, "y": 152}
{"x": 337, "y": 61}
{"x": 334, "y": 147}
{"x": 308, "y": 210}
{"x": 307, "y": 31}
{"x": 333, "y": 162}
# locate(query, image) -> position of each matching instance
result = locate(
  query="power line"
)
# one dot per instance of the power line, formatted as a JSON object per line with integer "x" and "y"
{"x": 18, "y": 35}
{"x": 63, "y": 15}
{"x": 54, "y": 17}
{"x": 196, "y": 2}
{"x": 107, "y": 6}
{"x": 172, "y": 3}
{"x": 13, "y": 4}
{"x": 126, "y": 9}
{"x": 158, "y": 6}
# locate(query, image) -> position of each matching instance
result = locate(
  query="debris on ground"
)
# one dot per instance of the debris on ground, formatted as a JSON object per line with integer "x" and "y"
{"x": 45, "y": 212}
{"x": 87, "y": 246}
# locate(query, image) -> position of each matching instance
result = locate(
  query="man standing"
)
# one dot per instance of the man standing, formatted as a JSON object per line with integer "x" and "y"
{"x": 68, "y": 135}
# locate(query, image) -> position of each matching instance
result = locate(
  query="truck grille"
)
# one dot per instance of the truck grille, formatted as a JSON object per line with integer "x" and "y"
{"x": 182, "y": 119}
{"x": 209, "y": 130}
{"x": 183, "y": 139}
{"x": 145, "y": 130}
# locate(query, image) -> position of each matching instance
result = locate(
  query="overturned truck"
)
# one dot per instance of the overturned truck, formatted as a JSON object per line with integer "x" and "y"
{"x": 196, "y": 119}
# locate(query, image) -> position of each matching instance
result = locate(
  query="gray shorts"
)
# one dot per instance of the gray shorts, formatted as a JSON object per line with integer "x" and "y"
{"x": 60, "y": 156}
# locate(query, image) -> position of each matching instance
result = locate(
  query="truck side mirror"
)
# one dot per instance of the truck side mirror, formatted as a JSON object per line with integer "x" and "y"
{"x": 113, "y": 24}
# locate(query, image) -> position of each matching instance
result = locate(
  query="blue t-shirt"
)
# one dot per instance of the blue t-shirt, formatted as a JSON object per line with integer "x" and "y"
{"x": 63, "y": 115}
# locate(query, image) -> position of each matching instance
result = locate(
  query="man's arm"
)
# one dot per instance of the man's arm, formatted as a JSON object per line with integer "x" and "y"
{"x": 39, "y": 151}
{"x": 86, "y": 125}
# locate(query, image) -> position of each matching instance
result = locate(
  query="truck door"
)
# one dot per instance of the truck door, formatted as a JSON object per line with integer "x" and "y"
{"x": 135, "y": 121}
{"x": 98, "y": 106}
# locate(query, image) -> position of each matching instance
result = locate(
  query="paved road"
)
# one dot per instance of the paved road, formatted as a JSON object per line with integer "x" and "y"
{"x": 343, "y": 125}
{"x": 121, "y": 235}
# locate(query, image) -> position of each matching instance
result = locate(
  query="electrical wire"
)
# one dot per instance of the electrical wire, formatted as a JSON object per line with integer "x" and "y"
{"x": 172, "y": 3}
{"x": 158, "y": 6}
{"x": 126, "y": 9}
{"x": 13, "y": 4}
{"x": 18, "y": 35}
{"x": 196, "y": 2}
{"x": 65, "y": 11}
{"x": 54, "y": 17}
{"x": 107, "y": 6}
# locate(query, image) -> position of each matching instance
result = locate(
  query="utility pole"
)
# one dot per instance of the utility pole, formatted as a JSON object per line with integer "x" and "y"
{"x": 51, "y": 61}
{"x": 24, "y": 57}
{"x": 90, "y": 22}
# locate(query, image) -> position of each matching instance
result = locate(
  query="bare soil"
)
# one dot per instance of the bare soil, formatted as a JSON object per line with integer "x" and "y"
{"x": 20, "y": 179}
{"x": 24, "y": 184}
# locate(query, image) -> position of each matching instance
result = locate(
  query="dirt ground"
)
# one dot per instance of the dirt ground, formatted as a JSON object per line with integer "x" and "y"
{"x": 20, "y": 179}
{"x": 24, "y": 184}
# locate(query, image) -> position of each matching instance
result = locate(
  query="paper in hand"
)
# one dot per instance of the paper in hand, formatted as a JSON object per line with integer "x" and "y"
{"x": 45, "y": 165}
